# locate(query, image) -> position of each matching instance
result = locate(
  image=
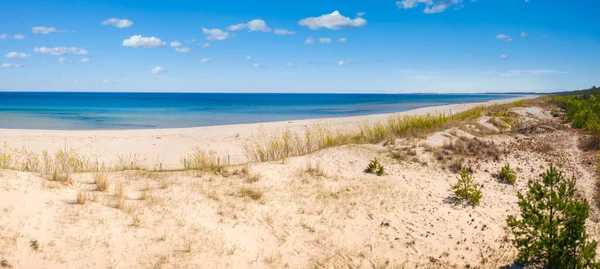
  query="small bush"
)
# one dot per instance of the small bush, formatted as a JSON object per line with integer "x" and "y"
{"x": 466, "y": 190}
{"x": 5, "y": 264}
{"x": 375, "y": 167}
{"x": 253, "y": 194}
{"x": 508, "y": 175}
{"x": 203, "y": 161}
{"x": 34, "y": 245}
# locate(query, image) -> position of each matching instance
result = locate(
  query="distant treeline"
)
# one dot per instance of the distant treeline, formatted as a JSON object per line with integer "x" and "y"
{"x": 582, "y": 108}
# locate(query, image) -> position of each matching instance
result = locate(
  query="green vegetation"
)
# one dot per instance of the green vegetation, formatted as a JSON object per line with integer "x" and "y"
{"x": 507, "y": 175}
{"x": 34, "y": 245}
{"x": 375, "y": 167}
{"x": 263, "y": 147}
{"x": 551, "y": 231}
{"x": 582, "y": 108}
{"x": 466, "y": 190}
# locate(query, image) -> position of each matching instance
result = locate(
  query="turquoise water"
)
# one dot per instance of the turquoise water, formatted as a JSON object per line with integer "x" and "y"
{"x": 94, "y": 111}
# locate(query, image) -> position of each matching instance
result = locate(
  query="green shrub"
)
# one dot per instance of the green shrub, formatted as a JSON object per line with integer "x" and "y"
{"x": 551, "y": 230}
{"x": 375, "y": 167}
{"x": 508, "y": 175}
{"x": 466, "y": 190}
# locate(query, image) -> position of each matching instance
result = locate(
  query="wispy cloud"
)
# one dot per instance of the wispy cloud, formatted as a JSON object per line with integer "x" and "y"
{"x": 253, "y": 25}
{"x": 19, "y": 36}
{"x": 59, "y": 51}
{"x": 324, "y": 40}
{"x": 85, "y": 60}
{"x": 43, "y": 30}
{"x": 283, "y": 32}
{"x": 3, "y": 36}
{"x": 63, "y": 60}
{"x": 119, "y": 23}
{"x": 215, "y": 34}
{"x": 259, "y": 65}
{"x": 342, "y": 40}
{"x": 309, "y": 41}
{"x": 158, "y": 70}
{"x": 175, "y": 44}
{"x": 15, "y": 54}
{"x": 182, "y": 49}
{"x": 504, "y": 37}
{"x": 333, "y": 21}
{"x": 342, "y": 63}
{"x": 7, "y": 65}
{"x": 503, "y": 56}
{"x": 431, "y": 6}
{"x": 532, "y": 72}
{"x": 205, "y": 60}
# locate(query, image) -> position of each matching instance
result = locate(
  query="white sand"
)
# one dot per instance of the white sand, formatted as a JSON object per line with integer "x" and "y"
{"x": 340, "y": 218}
{"x": 167, "y": 146}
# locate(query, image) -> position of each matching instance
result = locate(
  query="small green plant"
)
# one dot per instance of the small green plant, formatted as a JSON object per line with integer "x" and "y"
{"x": 508, "y": 175}
{"x": 34, "y": 245}
{"x": 375, "y": 167}
{"x": 466, "y": 190}
{"x": 5, "y": 264}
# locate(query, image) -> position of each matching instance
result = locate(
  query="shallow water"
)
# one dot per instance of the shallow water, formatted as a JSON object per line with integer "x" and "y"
{"x": 89, "y": 111}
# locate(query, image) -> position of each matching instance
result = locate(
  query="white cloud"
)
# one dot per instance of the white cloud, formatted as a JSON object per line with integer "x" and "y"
{"x": 333, "y": 21}
{"x": 105, "y": 81}
{"x": 43, "y": 30}
{"x": 532, "y": 72}
{"x": 59, "y": 51}
{"x": 257, "y": 65}
{"x": 309, "y": 41}
{"x": 158, "y": 70}
{"x": 248, "y": 58}
{"x": 205, "y": 60}
{"x": 503, "y": 56}
{"x": 253, "y": 25}
{"x": 175, "y": 44}
{"x": 138, "y": 41}
{"x": 324, "y": 40}
{"x": 502, "y": 36}
{"x": 19, "y": 36}
{"x": 85, "y": 60}
{"x": 523, "y": 34}
{"x": 63, "y": 60}
{"x": 488, "y": 72}
{"x": 182, "y": 49}
{"x": 289, "y": 65}
{"x": 3, "y": 36}
{"x": 283, "y": 32}
{"x": 7, "y": 65}
{"x": 205, "y": 45}
{"x": 360, "y": 14}
{"x": 193, "y": 41}
{"x": 119, "y": 23}
{"x": 215, "y": 34}
{"x": 342, "y": 40}
{"x": 15, "y": 54}
{"x": 431, "y": 6}
{"x": 342, "y": 63}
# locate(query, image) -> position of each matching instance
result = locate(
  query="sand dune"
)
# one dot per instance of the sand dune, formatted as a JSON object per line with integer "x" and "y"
{"x": 315, "y": 211}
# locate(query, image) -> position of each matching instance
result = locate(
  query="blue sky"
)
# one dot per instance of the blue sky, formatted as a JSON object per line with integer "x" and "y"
{"x": 290, "y": 46}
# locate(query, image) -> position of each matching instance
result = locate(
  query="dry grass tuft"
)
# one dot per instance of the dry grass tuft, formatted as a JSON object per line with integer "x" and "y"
{"x": 82, "y": 197}
{"x": 102, "y": 182}
{"x": 202, "y": 160}
{"x": 315, "y": 170}
{"x": 251, "y": 193}
{"x": 252, "y": 178}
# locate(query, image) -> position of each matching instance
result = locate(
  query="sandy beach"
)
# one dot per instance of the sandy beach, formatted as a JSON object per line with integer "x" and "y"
{"x": 320, "y": 210}
{"x": 167, "y": 146}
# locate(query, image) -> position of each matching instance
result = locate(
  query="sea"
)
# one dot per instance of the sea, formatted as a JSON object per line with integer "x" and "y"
{"x": 102, "y": 111}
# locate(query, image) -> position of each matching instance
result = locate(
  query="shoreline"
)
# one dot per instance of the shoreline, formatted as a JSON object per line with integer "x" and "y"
{"x": 168, "y": 145}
